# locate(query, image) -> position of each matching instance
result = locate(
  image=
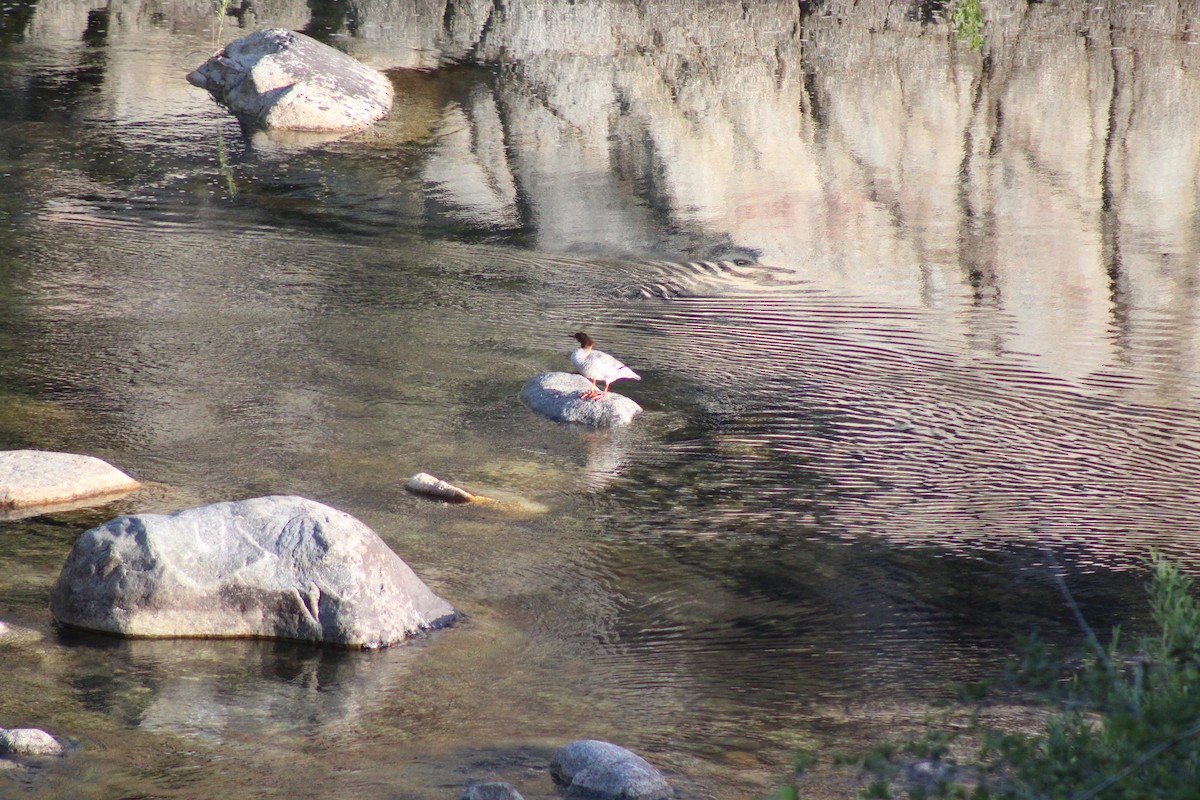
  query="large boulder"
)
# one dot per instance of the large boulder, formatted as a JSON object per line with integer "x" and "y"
{"x": 283, "y": 80}
{"x": 37, "y": 478}
{"x": 590, "y": 768}
{"x": 271, "y": 567}
{"x": 556, "y": 395}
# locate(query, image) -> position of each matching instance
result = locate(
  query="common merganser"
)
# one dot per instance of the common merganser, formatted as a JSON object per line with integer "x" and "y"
{"x": 596, "y": 365}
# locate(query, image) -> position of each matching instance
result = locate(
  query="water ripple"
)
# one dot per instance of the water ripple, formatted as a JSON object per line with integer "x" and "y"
{"x": 881, "y": 426}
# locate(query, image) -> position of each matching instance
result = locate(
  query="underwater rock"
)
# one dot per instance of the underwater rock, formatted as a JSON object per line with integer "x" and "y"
{"x": 283, "y": 80}
{"x": 14, "y": 633}
{"x": 556, "y": 395}
{"x": 28, "y": 742}
{"x": 37, "y": 478}
{"x": 490, "y": 790}
{"x": 272, "y": 567}
{"x": 590, "y": 768}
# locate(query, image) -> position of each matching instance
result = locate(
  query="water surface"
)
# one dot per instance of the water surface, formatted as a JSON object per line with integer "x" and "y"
{"x": 917, "y": 326}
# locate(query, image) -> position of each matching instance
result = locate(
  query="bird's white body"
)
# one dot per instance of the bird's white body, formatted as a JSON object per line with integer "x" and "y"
{"x": 597, "y": 365}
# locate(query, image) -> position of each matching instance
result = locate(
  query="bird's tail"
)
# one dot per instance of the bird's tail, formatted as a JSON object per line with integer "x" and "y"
{"x": 626, "y": 372}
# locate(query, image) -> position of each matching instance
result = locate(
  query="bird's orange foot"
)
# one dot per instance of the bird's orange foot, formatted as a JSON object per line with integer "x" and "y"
{"x": 590, "y": 394}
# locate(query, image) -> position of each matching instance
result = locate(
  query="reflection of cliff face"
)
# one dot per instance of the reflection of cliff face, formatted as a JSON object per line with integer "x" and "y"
{"x": 1045, "y": 178}
{"x": 1050, "y": 177}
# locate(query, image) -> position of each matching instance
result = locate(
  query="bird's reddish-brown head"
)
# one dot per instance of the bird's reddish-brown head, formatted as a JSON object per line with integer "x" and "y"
{"x": 584, "y": 340}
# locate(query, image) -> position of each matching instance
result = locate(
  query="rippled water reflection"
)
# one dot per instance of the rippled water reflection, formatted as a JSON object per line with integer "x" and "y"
{"x": 899, "y": 359}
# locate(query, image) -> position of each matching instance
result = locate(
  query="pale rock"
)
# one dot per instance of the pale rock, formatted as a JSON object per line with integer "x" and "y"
{"x": 37, "y": 478}
{"x": 272, "y": 567}
{"x": 283, "y": 80}
{"x": 557, "y": 395}
{"x": 28, "y": 742}
{"x": 426, "y": 484}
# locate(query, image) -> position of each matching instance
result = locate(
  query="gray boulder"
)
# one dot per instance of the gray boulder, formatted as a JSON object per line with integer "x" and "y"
{"x": 28, "y": 742}
{"x": 271, "y": 567}
{"x": 283, "y": 80}
{"x": 36, "y": 478}
{"x": 590, "y": 768}
{"x": 490, "y": 790}
{"x": 556, "y": 395}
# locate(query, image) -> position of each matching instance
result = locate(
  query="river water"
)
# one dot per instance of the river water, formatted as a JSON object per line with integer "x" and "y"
{"x": 917, "y": 326}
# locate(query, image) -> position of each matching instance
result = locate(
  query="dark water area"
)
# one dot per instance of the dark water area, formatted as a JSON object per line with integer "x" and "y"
{"x": 917, "y": 326}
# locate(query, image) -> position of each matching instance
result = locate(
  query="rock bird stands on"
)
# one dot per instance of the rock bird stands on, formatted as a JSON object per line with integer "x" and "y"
{"x": 596, "y": 365}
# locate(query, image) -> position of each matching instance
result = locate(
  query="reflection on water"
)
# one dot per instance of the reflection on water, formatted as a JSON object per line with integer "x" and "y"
{"x": 220, "y": 690}
{"x": 915, "y": 323}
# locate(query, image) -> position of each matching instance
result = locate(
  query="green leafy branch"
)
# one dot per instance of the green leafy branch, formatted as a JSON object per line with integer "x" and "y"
{"x": 966, "y": 19}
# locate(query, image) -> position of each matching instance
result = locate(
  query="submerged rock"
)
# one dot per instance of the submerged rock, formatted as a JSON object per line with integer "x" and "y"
{"x": 490, "y": 790}
{"x": 13, "y": 633}
{"x": 271, "y": 567}
{"x": 556, "y": 395}
{"x": 283, "y": 80}
{"x": 28, "y": 742}
{"x": 590, "y": 768}
{"x": 426, "y": 484}
{"x": 37, "y": 478}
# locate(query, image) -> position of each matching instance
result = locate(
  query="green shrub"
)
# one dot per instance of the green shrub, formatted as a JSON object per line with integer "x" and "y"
{"x": 966, "y": 18}
{"x": 1122, "y": 724}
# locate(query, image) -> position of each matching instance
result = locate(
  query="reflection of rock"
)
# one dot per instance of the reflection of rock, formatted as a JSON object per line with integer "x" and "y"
{"x": 28, "y": 742}
{"x": 607, "y": 453}
{"x": 273, "y": 567}
{"x": 557, "y": 395}
{"x": 239, "y": 690}
{"x": 595, "y": 769}
{"x": 35, "y": 478}
{"x": 286, "y": 80}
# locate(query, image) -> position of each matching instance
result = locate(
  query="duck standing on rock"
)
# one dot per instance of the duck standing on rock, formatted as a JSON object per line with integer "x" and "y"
{"x": 596, "y": 365}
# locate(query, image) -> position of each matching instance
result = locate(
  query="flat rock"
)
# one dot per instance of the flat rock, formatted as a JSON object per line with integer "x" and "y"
{"x": 272, "y": 567}
{"x": 491, "y": 790}
{"x": 556, "y": 395}
{"x": 283, "y": 80}
{"x": 35, "y": 478}
{"x": 28, "y": 742}
{"x": 590, "y": 768}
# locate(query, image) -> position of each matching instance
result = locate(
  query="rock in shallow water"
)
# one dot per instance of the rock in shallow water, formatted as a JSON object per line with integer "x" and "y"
{"x": 283, "y": 80}
{"x": 426, "y": 484}
{"x": 271, "y": 567}
{"x": 28, "y": 742}
{"x": 590, "y": 768}
{"x": 491, "y": 790}
{"x": 556, "y": 395}
{"x": 12, "y": 633}
{"x": 33, "y": 478}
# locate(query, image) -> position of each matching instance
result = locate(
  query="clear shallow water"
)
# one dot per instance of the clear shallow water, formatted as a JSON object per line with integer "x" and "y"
{"x": 857, "y": 460}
